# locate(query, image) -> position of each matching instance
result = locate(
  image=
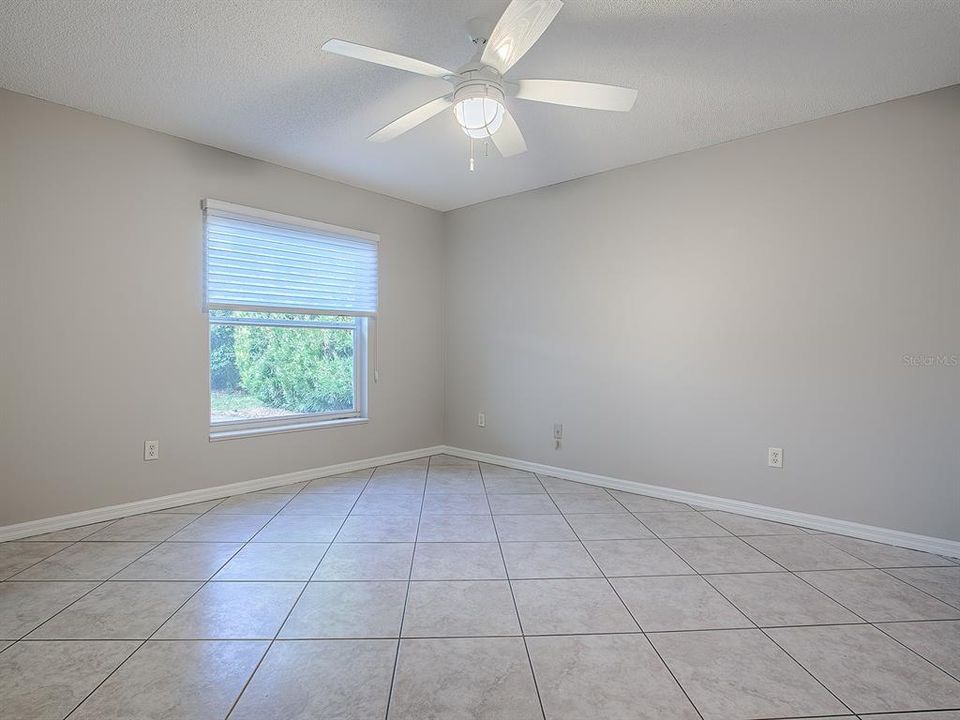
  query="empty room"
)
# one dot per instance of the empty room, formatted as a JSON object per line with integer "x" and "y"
{"x": 479, "y": 359}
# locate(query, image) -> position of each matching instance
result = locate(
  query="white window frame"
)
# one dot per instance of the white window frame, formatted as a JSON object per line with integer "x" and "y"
{"x": 358, "y": 414}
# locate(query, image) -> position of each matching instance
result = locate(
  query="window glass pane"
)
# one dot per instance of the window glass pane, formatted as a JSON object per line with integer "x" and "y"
{"x": 261, "y": 372}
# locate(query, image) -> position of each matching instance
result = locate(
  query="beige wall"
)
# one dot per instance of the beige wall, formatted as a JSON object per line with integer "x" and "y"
{"x": 103, "y": 343}
{"x": 680, "y": 316}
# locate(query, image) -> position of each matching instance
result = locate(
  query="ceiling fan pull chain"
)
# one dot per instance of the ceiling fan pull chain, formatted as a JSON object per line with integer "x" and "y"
{"x": 471, "y": 155}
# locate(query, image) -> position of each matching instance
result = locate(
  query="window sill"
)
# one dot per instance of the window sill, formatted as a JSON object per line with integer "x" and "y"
{"x": 223, "y": 434}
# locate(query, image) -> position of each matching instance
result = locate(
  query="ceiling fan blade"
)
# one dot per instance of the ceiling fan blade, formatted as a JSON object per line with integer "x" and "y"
{"x": 577, "y": 94}
{"x": 382, "y": 57}
{"x": 520, "y": 26}
{"x": 412, "y": 119}
{"x": 508, "y": 139}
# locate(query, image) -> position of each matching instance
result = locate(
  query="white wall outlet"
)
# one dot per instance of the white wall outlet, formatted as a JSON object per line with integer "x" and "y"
{"x": 557, "y": 431}
{"x": 775, "y": 457}
{"x": 481, "y": 420}
{"x": 151, "y": 449}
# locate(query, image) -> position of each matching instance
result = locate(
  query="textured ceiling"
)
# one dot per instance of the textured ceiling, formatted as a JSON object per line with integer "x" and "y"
{"x": 248, "y": 76}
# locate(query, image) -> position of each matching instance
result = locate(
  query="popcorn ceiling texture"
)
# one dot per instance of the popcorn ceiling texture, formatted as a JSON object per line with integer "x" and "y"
{"x": 249, "y": 77}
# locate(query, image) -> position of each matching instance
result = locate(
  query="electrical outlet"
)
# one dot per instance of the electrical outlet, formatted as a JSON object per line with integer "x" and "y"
{"x": 775, "y": 457}
{"x": 151, "y": 449}
{"x": 481, "y": 420}
{"x": 557, "y": 431}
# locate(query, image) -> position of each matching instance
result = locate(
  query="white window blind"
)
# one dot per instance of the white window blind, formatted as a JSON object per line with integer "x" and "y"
{"x": 258, "y": 260}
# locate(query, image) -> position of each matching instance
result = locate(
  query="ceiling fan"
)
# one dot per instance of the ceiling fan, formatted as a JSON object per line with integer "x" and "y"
{"x": 480, "y": 91}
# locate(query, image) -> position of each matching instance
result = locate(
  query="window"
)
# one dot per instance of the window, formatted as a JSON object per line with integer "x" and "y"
{"x": 288, "y": 302}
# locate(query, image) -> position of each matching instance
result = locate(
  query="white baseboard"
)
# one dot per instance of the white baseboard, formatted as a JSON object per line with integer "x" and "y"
{"x": 113, "y": 512}
{"x": 939, "y": 546}
{"x": 926, "y": 543}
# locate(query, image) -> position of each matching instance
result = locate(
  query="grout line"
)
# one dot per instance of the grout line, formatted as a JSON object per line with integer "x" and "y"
{"x": 513, "y": 596}
{"x": 406, "y": 596}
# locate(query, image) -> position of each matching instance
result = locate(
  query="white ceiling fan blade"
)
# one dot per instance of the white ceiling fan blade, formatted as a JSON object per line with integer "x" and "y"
{"x": 520, "y": 26}
{"x": 412, "y": 119}
{"x": 382, "y": 57}
{"x": 577, "y": 94}
{"x": 508, "y": 139}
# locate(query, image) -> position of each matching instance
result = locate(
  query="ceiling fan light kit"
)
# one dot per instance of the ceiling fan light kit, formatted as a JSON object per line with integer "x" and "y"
{"x": 479, "y": 95}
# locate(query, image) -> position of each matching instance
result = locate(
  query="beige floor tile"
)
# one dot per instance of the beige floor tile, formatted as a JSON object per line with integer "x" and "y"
{"x": 24, "y": 605}
{"x": 274, "y": 561}
{"x": 522, "y": 504}
{"x": 740, "y": 674}
{"x": 252, "y": 504}
{"x": 365, "y": 609}
{"x": 478, "y": 678}
{"x": 311, "y": 679}
{"x": 300, "y": 528}
{"x": 772, "y": 599}
{"x": 366, "y": 561}
{"x": 614, "y": 677}
{"x": 455, "y": 504}
{"x": 456, "y": 528}
{"x": 180, "y": 561}
{"x": 154, "y": 526}
{"x": 884, "y": 556}
{"x": 869, "y": 671}
{"x": 179, "y": 680}
{"x": 806, "y": 552}
{"x": 118, "y": 611}
{"x": 70, "y": 534}
{"x": 520, "y": 528}
{"x": 460, "y": 608}
{"x": 582, "y": 503}
{"x": 86, "y": 561}
{"x": 878, "y": 597}
{"x": 46, "y": 680}
{"x": 379, "y": 528}
{"x": 233, "y": 610}
{"x": 458, "y": 561}
{"x": 388, "y": 504}
{"x": 941, "y": 582}
{"x": 743, "y": 525}
{"x": 222, "y": 528}
{"x": 18, "y": 556}
{"x": 621, "y": 558}
{"x": 321, "y": 504}
{"x": 580, "y": 605}
{"x": 527, "y": 485}
{"x": 644, "y": 503}
{"x": 677, "y": 603}
{"x": 722, "y": 555}
{"x": 681, "y": 524}
{"x": 937, "y": 641}
{"x": 548, "y": 560}
{"x": 612, "y": 526}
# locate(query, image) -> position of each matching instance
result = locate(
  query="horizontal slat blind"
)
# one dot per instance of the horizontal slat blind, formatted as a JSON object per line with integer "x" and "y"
{"x": 268, "y": 262}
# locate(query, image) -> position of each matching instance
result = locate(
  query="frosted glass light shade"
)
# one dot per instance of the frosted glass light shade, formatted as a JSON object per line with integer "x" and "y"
{"x": 479, "y": 117}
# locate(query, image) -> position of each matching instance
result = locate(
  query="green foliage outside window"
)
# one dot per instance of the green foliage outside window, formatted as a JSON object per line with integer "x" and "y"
{"x": 291, "y": 369}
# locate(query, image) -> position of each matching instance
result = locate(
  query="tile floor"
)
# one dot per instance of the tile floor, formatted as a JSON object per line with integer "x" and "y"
{"x": 445, "y": 589}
